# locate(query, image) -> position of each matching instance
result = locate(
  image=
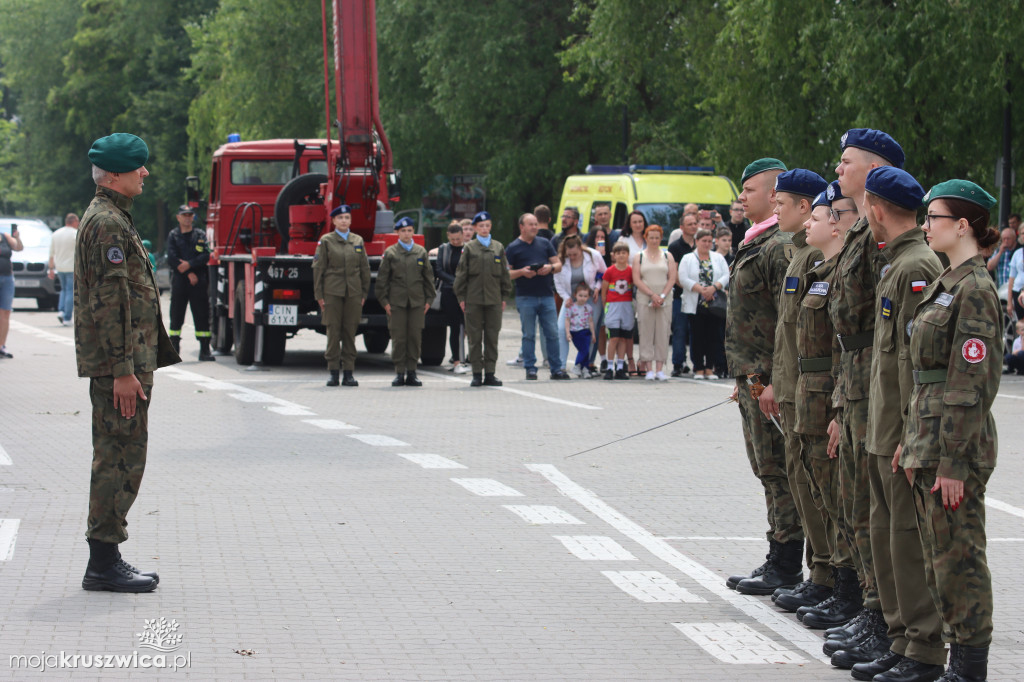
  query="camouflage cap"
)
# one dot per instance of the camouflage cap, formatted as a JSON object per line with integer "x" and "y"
{"x": 760, "y": 166}
{"x": 119, "y": 153}
{"x": 961, "y": 189}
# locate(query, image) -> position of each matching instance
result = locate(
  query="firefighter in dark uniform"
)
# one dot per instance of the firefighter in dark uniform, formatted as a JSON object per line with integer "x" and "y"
{"x": 405, "y": 288}
{"x": 949, "y": 446}
{"x": 341, "y": 283}
{"x": 187, "y": 256}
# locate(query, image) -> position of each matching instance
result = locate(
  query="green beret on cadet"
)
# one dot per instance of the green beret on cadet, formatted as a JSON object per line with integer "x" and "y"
{"x": 961, "y": 189}
{"x": 119, "y": 153}
{"x": 760, "y": 166}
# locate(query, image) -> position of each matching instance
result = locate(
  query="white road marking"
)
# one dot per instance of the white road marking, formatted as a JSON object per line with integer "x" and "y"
{"x": 5, "y": 459}
{"x": 292, "y": 410}
{"x": 330, "y": 424}
{"x": 428, "y": 461}
{"x": 41, "y": 334}
{"x": 8, "y": 534}
{"x": 595, "y": 548}
{"x": 730, "y": 538}
{"x": 1003, "y": 507}
{"x": 652, "y": 587}
{"x": 737, "y": 643}
{"x": 378, "y": 440}
{"x": 487, "y": 487}
{"x": 527, "y": 394}
{"x": 542, "y": 514}
{"x": 806, "y": 640}
{"x": 252, "y": 397}
{"x": 1006, "y": 539}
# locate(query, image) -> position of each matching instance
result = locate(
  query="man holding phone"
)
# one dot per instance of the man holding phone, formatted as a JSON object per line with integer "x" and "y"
{"x": 8, "y": 244}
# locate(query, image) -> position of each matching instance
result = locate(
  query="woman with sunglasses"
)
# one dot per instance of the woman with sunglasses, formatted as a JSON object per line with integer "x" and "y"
{"x": 949, "y": 447}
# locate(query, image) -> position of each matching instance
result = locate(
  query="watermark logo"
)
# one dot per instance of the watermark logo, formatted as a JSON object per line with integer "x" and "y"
{"x": 160, "y": 635}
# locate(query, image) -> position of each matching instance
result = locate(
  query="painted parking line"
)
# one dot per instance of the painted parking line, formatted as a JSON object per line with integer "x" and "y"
{"x": 5, "y": 459}
{"x": 652, "y": 587}
{"x": 330, "y": 424}
{"x": 543, "y": 514}
{"x": 428, "y": 461}
{"x": 378, "y": 440}
{"x": 595, "y": 548}
{"x": 516, "y": 391}
{"x": 8, "y": 535}
{"x": 737, "y": 643}
{"x": 806, "y": 640}
{"x": 487, "y": 487}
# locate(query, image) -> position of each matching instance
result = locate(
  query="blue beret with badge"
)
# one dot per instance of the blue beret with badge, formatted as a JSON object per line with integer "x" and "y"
{"x": 761, "y": 166}
{"x": 961, "y": 189}
{"x": 119, "y": 153}
{"x": 343, "y": 208}
{"x": 801, "y": 181}
{"x": 481, "y": 216}
{"x": 821, "y": 200}
{"x": 834, "y": 192}
{"x": 896, "y": 186}
{"x": 876, "y": 142}
{"x": 404, "y": 222}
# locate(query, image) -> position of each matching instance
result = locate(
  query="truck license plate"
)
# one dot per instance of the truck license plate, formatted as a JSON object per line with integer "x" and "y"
{"x": 282, "y": 315}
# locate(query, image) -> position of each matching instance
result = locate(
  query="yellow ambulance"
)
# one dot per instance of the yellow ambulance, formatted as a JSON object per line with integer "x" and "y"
{"x": 659, "y": 192}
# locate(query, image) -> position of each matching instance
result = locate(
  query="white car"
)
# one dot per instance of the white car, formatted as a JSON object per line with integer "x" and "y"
{"x": 30, "y": 264}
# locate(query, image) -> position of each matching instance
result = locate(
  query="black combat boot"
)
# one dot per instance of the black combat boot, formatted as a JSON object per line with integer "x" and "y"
{"x": 412, "y": 380}
{"x": 870, "y": 646}
{"x": 347, "y": 379}
{"x": 882, "y": 664}
{"x": 805, "y": 594}
{"x": 478, "y": 379}
{"x": 399, "y": 380}
{"x": 866, "y": 622}
{"x": 107, "y": 572}
{"x": 733, "y": 580}
{"x": 841, "y": 607}
{"x": 204, "y": 351}
{"x": 908, "y": 670}
{"x": 144, "y": 574}
{"x": 333, "y": 381}
{"x": 967, "y": 664}
{"x": 491, "y": 380}
{"x": 176, "y": 344}
{"x": 790, "y": 590}
{"x": 846, "y": 630}
{"x": 784, "y": 569}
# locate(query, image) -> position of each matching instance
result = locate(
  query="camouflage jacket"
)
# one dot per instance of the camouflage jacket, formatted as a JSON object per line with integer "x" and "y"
{"x": 119, "y": 329}
{"x": 912, "y": 266}
{"x": 482, "y": 274}
{"x": 340, "y": 267}
{"x": 815, "y": 341}
{"x": 853, "y": 310}
{"x": 786, "y": 371}
{"x": 405, "y": 278}
{"x": 755, "y": 284}
{"x": 956, "y": 330}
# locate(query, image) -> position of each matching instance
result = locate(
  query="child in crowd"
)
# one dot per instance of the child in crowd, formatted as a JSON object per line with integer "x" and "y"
{"x": 617, "y": 291}
{"x": 579, "y": 327}
{"x": 723, "y": 244}
{"x": 1015, "y": 360}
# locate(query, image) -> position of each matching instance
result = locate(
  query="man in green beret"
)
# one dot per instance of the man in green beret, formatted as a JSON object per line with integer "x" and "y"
{"x": 120, "y": 341}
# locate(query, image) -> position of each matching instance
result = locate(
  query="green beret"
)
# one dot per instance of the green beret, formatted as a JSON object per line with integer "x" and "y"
{"x": 760, "y": 166}
{"x": 119, "y": 153}
{"x": 961, "y": 189}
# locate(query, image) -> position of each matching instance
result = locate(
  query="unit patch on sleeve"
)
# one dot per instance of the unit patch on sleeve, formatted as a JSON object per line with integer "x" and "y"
{"x": 886, "y": 308}
{"x": 944, "y": 299}
{"x": 792, "y": 284}
{"x": 818, "y": 289}
{"x": 115, "y": 255}
{"x": 918, "y": 285}
{"x": 974, "y": 351}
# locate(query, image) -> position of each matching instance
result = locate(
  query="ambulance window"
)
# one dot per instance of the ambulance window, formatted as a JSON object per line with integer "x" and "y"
{"x": 620, "y": 216}
{"x": 593, "y": 212}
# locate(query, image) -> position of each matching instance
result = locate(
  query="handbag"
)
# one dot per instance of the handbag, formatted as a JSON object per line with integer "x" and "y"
{"x": 719, "y": 305}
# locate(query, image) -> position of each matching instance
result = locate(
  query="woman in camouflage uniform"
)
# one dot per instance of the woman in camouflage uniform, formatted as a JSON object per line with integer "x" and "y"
{"x": 949, "y": 447}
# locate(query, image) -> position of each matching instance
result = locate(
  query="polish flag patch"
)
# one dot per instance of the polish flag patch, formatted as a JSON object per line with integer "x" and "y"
{"x": 974, "y": 351}
{"x": 918, "y": 286}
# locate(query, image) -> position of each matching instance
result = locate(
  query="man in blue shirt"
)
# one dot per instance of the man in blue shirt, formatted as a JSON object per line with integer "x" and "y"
{"x": 531, "y": 262}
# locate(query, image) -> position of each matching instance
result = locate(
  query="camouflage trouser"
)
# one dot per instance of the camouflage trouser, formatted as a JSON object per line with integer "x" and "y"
{"x": 766, "y": 450}
{"x": 914, "y": 624}
{"x": 823, "y": 474}
{"x": 855, "y": 493}
{"x": 808, "y": 504}
{"x": 954, "y": 554}
{"x": 118, "y": 458}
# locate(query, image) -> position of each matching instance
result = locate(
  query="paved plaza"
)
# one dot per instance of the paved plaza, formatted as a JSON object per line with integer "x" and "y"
{"x": 434, "y": 533}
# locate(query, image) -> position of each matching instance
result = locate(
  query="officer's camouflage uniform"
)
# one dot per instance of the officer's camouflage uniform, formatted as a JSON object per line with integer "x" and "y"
{"x": 118, "y": 331}
{"x": 405, "y": 280}
{"x": 852, "y": 309}
{"x": 956, "y": 351}
{"x": 482, "y": 282}
{"x": 914, "y": 625}
{"x": 784, "y": 380}
{"x": 818, "y": 352}
{"x": 341, "y": 278}
{"x": 755, "y": 285}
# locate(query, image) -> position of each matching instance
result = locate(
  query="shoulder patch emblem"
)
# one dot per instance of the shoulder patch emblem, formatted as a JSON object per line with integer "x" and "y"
{"x": 974, "y": 351}
{"x": 818, "y": 289}
{"x": 792, "y": 284}
{"x": 944, "y": 299}
{"x": 885, "y": 269}
{"x": 886, "y": 309}
{"x": 497, "y": 259}
{"x": 115, "y": 255}
{"x": 789, "y": 250}
{"x": 910, "y": 326}
{"x": 917, "y": 286}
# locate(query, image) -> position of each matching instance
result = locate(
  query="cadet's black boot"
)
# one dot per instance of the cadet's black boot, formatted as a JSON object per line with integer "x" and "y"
{"x": 347, "y": 379}
{"x": 882, "y": 664}
{"x": 871, "y": 645}
{"x": 866, "y": 622}
{"x": 478, "y": 380}
{"x": 412, "y": 380}
{"x": 144, "y": 574}
{"x": 784, "y": 569}
{"x": 846, "y": 630}
{"x": 106, "y": 571}
{"x": 967, "y": 664}
{"x": 491, "y": 380}
{"x": 333, "y": 381}
{"x": 733, "y": 580}
{"x": 841, "y": 607}
{"x": 176, "y": 344}
{"x": 805, "y": 594}
{"x": 204, "y": 351}
{"x": 909, "y": 670}
{"x": 399, "y": 380}
{"x": 790, "y": 590}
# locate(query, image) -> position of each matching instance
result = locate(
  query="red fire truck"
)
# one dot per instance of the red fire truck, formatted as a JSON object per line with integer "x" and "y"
{"x": 269, "y": 203}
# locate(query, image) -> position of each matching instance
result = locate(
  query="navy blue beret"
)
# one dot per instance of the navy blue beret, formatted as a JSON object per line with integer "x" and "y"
{"x": 800, "y": 181}
{"x": 834, "y": 192}
{"x": 821, "y": 200}
{"x": 481, "y": 216}
{"x": 876, "y": 142}
{"x": 344, "y": 208}
{"x": 404, "y": 222}
{"x": 895, "y": 185}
